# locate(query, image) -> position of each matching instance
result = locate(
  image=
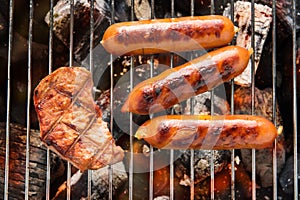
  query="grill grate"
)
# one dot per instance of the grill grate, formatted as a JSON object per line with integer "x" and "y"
{"x": 6, "y": 174}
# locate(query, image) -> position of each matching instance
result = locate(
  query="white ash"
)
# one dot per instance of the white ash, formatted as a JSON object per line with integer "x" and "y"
{"x": 162, "y": 198}
{"x": 142, "y": 9}
{"x": 202, "y": 162}
{"x": 202, "y": 105}
{"x": 262, "y": 22}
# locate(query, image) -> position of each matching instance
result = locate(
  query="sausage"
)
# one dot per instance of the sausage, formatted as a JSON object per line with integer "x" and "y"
{"x": 208, "y": 132}
{"x": 180, "y": 83}
{"x": 168, "y": 35}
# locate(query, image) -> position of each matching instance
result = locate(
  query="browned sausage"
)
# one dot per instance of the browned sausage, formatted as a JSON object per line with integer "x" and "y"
{"x": 182, "y": 82}
{"x": 171, "y": 35}
{"x": 208, "y": 132}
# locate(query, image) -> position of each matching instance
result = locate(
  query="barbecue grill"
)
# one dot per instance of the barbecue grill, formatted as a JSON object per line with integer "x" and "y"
{"x": 20, "y": 74}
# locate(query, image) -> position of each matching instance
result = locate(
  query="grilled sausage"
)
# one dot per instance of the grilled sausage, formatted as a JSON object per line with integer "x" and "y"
{"x": 208, "y": 132}
{"x": 168, "y": 35}
{"x": 182, "y": 82}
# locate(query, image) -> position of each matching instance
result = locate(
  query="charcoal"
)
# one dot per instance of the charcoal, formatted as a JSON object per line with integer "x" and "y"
{"x": 201, "y": 164}
{"x": 19, "y": 57}
{"x": 3, "y": 30}
{"x": 161, "y": 8}
{"x": 202, "y": 104}
{"x": 263, "y": 107}
{"x": 162, "y": 198}
{"x": 222, "y": 185}
{"x": 99, "y": 181}
{"x": 37, "y": 163}
{"x": 286, "y": 178}
{"x": 81, "y": 36}
{"x": 263, "y": 18}
{"x": 201, "y": 7}
{"x": 284, "y": 16}
{"x": 142, "y": 9}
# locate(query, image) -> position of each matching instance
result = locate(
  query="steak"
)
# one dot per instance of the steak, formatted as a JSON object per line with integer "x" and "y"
{"x": 70, "y": 122}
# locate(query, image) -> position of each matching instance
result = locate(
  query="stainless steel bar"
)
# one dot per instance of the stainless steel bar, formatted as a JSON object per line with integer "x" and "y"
{"x": 7, "y": 129}
{"x": 110, "y": 169}
{"x": 70, "y": 64}
{"x": 131, "y": 120}
{"x": 152, "y": 9}
{"x": 113, "y": 12}
{"x": 71, "y": 46}
{"x": 48, "y": 178}
{"x": 172, "y": 8}
{"x": 274, "y": 94}
{"x": 192, "y": 162}
{"x": 212, "y": 167}
{"x": 92, "y": 28}
{"x": 28, "y": 100}
{"x": 192, "y": 176}
{"x": 48, "y": 175}
{"x": 91, "y": 67}
{"x": 232, "y": 164}
{"x": 192, "y": 151}
{"x": 172, "y": 195}
{"x": 131, "y": 137}
{"x": 295, "y": 105}
{"x": 192, "y": 7}
{"x": 212, "y": 7}
{"x": 253, "y": 94}
{"x": 151, "y": 165}
{"x": 69, "y": 181}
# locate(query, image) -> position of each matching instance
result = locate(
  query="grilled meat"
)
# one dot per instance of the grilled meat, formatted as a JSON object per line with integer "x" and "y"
{"x": 71, "y": 123}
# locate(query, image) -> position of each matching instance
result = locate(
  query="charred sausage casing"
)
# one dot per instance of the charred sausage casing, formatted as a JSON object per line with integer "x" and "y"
{"x": 168, "y": 35}
{"x": 208, "y": 132}
{"x": 180, "y": 83}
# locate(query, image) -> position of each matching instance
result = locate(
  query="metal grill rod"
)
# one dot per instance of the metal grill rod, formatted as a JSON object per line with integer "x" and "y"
{"x": 232, "y": 164}
{"x": 212, "y": 112}
{"x": 172, "y": 195}
{"x": 110, "y": 170}
{"x": 295, "y": 106}
{"x": 192, "y": 151}
{"x": 10, "y": 40}
{"x": 70, "y": 64}
{"x": 131, "y": 120}
{"x": 28, "y": 100}
{"x": 49, "y": 71}
{"x": 151, "y": 167}
{"x": 274, "y": 93}
{"x": 253, "y": 93}
{"x": 91, "y": 69}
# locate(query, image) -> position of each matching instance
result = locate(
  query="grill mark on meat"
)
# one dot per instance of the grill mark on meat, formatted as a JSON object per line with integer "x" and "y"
{"x": 98, "y": 154}
{"x": 46, "y": 133}
{"x": 185, "y": 31}
{"x": 92, "y": 121}
{"x": 148, "y": 95}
